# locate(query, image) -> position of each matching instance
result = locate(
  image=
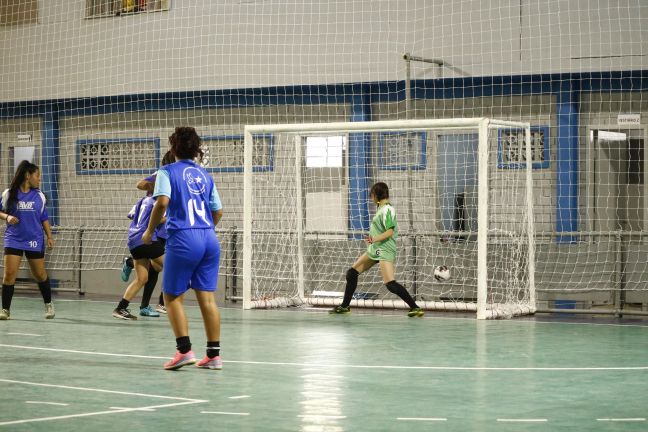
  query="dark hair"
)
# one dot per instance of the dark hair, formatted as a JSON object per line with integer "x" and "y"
{"x": 168, "y": 158}
{"x": 185, "y": 143}
{"x": 380, "y": 190}
{"x": 24, "y": 169}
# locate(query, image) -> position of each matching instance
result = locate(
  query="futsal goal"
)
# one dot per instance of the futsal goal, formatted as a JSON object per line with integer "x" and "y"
{"x": 463, "y": 194}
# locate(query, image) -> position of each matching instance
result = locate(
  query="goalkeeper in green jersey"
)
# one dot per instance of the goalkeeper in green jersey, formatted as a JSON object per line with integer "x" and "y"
{"x": 381, "y": 248}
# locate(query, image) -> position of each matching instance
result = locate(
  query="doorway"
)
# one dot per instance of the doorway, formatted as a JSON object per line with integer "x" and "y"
{"x": 619, "y": 178}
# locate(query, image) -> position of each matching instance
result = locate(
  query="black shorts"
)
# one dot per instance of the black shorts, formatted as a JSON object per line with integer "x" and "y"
{"x": 163, "y": 241}
{"x": 148, "y": 251}
{"x": 28, "y": 254}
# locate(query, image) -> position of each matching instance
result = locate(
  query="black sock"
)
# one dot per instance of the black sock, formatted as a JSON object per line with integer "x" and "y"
{"x": 183, "y": 344}
{"x": 149, "y": 286}
{"x": 161, "y": 301}
{"x": 7, "y": 295}
{"x": 213, "y": 349}
{"x": 123, "y": 304}
{"x": 129, "y": 262}
{"x": 46, "y": 290}
{"x": 401, "y": 292}
{"x": 352, "y": 283}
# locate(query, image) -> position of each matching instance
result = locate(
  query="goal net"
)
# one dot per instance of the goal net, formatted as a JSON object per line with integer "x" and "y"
{"x": 463, "y": 198}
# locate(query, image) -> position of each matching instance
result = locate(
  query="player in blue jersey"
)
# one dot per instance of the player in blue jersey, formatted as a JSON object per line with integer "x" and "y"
{"x": 144, "y": 255}
{"x": 148, "y": 185}
{"x": 28, "y": 231}
{"x": 187, "y": 194}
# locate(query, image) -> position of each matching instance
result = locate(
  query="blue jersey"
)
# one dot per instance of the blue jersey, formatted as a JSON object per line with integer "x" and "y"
{"x": 192, "y": 195}
{"x": 141, "y": 215}
{"x": 160, "y": 231}
{"x": 31, "y": 211}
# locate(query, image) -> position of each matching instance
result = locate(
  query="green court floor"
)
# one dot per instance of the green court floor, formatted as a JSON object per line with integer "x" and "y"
{"x": 308, "y": 371}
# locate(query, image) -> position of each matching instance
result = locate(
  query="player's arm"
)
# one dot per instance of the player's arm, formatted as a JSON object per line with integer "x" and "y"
{"x": 384, "y": 236}
{"x": 11, "y": 220}
{"x": 157, "y": 214}
{"x": 147, "y": 184}
{"x": 162, "y": 193}
{"x": 215, "y": 205}
{"x": 48, "y": 233}
{"x": 389, "y": 224}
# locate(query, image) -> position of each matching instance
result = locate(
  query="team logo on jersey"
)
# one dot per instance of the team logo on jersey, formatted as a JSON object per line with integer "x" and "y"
{"x": 25, "y": 205}
{"x": 195, "y": 180}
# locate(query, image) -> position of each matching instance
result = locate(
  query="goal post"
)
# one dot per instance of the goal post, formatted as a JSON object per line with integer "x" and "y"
{"x": 303, "y": 226}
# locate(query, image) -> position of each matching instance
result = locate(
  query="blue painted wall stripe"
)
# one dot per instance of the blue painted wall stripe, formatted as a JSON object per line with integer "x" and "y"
{"x": 50, "y": 165}
{"x": 567, "y": 161}
{"x": 386, "y": 91}
{"x": 359, "y": 153}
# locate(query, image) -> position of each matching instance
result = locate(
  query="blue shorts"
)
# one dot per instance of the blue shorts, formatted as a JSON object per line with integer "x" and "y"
{"x": 191, "y": 260}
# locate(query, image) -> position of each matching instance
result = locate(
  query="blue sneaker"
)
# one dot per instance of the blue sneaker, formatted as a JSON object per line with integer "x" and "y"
{"x": 148, "y": 311}
{"x": 126, "y": 270}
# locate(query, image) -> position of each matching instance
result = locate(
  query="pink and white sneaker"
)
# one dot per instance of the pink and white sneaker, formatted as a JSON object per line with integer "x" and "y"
{"x": 180, "y": 360}
{"x": 210, "y": 363}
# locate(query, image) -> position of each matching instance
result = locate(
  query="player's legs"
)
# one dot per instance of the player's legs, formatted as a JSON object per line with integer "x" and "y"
{"x": 178, "y": 320}
{"x": 210, "y": 314}
{"x": 183, "y": 254}
{"x": 362, "y": 264}
{"x": 176, "y": 314}
{"x": 11, "y": 265}
{"x": 141, "y": 276}
{"x": 204, "y": 282}
{"x": 211, "y": 320}
{"x": 142, "y": 266}
{"x": 387, "y": 272}
{"x": 37, "y": 267}
{"x": 149, "y": 287}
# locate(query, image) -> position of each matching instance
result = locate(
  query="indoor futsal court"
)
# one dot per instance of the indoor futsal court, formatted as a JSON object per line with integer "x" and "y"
{"x": 324, "y": 215}
{"x": 301, "y": 370}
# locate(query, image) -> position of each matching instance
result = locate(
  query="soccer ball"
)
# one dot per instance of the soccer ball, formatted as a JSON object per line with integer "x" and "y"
{"x": 441, "y": 273}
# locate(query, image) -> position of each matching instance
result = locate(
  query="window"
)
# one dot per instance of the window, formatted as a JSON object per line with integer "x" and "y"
{"x": 18, "y": 12}
{"x": 325, "y": 151}
{"x": 511, "y": 148}
{"x": 399, "y": 151}
{"x": 106, "y": 8}
{"x": 117, "y": 155}
{"x": 225, "y": 153}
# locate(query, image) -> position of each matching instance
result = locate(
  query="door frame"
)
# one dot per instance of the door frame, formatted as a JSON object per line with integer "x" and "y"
{"x": 590, "y": 186}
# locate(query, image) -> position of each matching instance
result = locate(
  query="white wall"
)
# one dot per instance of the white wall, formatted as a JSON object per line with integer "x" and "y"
{"x": 218, "y": 44}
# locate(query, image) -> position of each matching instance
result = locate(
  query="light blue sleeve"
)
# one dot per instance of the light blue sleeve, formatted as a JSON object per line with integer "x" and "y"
{"x": 162, "y": 184}
{"x": 214, "y": 200}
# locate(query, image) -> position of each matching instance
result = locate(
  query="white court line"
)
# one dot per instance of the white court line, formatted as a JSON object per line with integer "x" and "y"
{"x": 421, "y": 419}
{"x": 321, "y": 417}
{"x": 536, "y": 420}
{"x": 225, "y": 413}
{"x": 47, "y": 403}
{"x": 96, "y": 413}
{"x": 186, "y": 401}
{"x": 101, "y": 390}
{"x": 239, "y": 397}
{"x": 341, "y": 366}
{"x": 636, "y": 419}
{"x": 133, "y": 409}
{"x": 24, "y": 334}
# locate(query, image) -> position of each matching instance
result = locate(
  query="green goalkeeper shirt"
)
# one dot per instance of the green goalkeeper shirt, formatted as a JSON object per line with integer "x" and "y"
{"x": 384, "y": 220}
